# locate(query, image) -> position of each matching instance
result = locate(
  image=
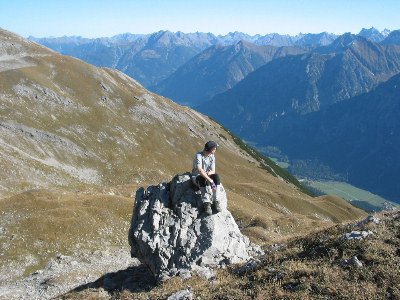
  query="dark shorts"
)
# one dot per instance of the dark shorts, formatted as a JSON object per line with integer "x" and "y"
{"x": 201, "y": 181}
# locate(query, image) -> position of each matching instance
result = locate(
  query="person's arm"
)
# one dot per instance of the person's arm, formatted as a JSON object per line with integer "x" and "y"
{"x": 212, "y": 167}
{"x": 204, "y": 174}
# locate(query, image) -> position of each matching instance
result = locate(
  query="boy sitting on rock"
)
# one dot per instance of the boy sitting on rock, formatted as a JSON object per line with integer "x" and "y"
{"x": 203, "y": 175}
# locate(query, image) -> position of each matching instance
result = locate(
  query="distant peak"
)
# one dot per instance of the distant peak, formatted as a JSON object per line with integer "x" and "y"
{"x": 370, "y": 30}
{"x": 345, "y": 39}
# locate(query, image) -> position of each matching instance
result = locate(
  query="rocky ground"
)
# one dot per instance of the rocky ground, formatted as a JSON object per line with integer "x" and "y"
{"x": 64, "y": 273}
{"x": 348, "y": 261}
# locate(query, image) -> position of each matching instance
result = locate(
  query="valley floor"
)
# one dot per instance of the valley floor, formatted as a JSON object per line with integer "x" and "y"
{"x": 356, "y": 196}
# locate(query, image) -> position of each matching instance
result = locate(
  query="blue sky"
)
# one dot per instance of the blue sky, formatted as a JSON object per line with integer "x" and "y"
{"x": 99, "y": 18}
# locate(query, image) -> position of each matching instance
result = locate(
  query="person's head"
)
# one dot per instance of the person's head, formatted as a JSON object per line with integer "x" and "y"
{"x": 210, "y": 146}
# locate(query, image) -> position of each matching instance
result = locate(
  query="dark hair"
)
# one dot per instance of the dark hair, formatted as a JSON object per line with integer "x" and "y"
{"x": 210, "y": 145}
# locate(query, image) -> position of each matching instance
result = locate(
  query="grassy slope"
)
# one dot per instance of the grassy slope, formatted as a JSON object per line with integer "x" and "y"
{"x": 39, "y": 224}
{"x": 306, "y": 267}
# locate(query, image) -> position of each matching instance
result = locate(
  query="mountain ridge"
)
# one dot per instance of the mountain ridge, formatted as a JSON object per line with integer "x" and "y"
{"x": 124, "y": 51}
{"x": 132, "y": 53}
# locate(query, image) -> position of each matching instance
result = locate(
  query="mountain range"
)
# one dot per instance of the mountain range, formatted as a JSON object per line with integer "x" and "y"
{"x": 147, "y": 58}
{"x": 152, "y": 58}
{"x": 219, "y": 68}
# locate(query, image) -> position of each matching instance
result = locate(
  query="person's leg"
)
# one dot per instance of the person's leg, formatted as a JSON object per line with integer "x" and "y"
{"x": 205, "y": 196}
{"x": 201, "y": 181}
{"x": 217, "y": 197}
{"x": 215, "y": 178}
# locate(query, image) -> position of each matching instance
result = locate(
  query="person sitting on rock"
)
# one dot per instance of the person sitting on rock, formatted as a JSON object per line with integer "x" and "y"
{"x": 203, "y": 175}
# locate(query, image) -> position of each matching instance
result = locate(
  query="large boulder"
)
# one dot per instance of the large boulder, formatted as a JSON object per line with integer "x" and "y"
{"x": 172, "y": 236}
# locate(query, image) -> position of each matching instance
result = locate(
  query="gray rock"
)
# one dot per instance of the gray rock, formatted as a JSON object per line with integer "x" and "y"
{"x": 369, "y": 219}
{"x": 205, "y": 273}
{"x": 169, "y": 233}
{"x": 387, "y": 206}
{"x": 181, "y": 295}
{"x": 354, "y": 261}
{"x": 356, "y": 235}
{"x": 184, "y": 274}
{"x": 277, "y": 248}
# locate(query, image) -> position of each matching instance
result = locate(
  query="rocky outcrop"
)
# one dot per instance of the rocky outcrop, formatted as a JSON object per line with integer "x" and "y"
{"x": 170, "y": 234}
{"x": 356, "y": 235}
{"x": 369, "y": 219}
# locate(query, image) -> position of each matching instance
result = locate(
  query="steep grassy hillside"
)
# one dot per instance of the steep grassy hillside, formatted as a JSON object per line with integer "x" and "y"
{"x": 76, "y": 142}
{"x": 39, "y": 225}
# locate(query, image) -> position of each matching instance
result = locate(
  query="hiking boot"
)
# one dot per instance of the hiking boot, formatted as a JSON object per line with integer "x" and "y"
{"x": 207, "y": 208}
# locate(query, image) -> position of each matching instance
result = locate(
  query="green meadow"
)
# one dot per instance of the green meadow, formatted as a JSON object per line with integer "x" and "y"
{"x": 360, "y": 198}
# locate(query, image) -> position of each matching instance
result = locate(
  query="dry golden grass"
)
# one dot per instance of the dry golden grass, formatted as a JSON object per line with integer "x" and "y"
{"x": 307, "y": 268}
{"x": 42, "y": 223}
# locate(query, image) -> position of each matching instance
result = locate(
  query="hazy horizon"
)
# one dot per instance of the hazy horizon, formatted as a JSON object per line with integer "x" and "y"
{"x": 104, "y": 18}
{"x": 165, "y": 30}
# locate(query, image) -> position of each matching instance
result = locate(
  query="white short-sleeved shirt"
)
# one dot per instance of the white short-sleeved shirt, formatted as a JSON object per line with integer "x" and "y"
{"x": 206, "y": 163}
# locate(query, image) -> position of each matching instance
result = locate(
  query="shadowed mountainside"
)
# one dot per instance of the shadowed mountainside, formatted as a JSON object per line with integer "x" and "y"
{"x": 359, "y": 136}
{"x": 218, "y": 69}
{"x": 300, "y": 84}
{"x": 392, "y": 38}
